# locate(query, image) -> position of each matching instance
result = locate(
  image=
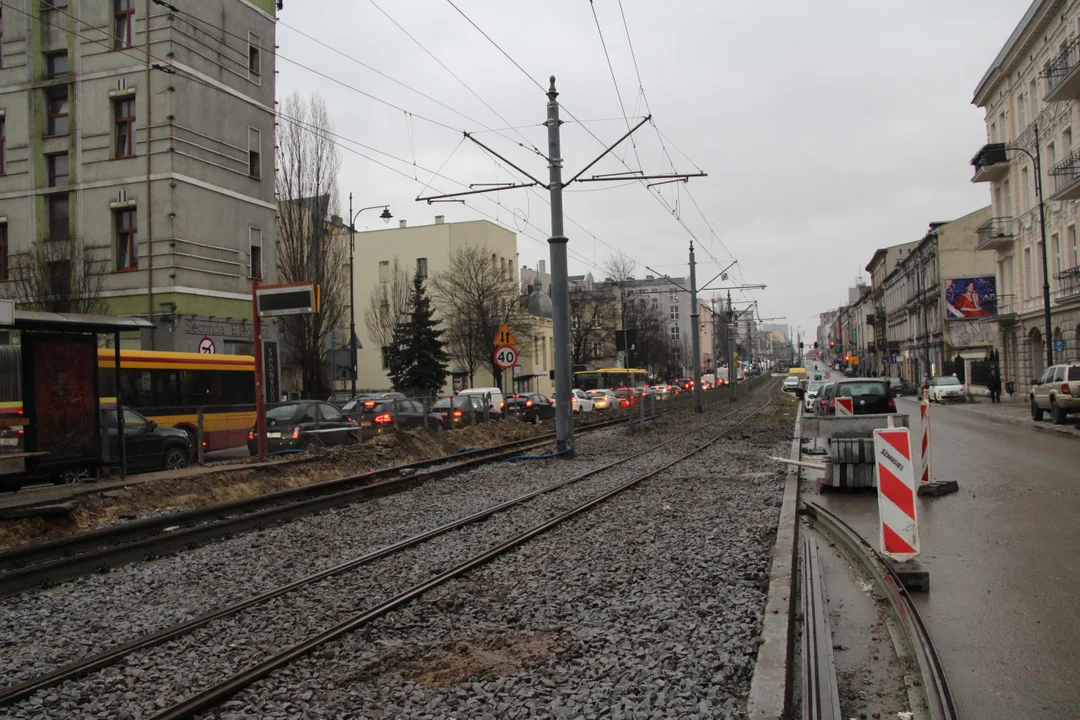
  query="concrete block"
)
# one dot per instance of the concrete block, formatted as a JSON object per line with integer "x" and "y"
{"x": 912, "y": 575}
{"x": 939, "y": 487}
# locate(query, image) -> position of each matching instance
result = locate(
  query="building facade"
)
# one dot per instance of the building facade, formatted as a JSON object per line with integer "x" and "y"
{"x": 137, "y": 145}
{"x": 1031, "y": 91}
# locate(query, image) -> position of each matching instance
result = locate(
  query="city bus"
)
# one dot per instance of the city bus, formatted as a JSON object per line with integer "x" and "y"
{"x": 611, "y": 378}
{"x": 166, "y": 387}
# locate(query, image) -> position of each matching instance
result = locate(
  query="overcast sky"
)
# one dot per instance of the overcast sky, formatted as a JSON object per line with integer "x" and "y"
{"x": 827, "y": 129}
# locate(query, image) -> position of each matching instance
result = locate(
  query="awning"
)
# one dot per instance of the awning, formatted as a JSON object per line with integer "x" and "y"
{"x": 73, "y": 322}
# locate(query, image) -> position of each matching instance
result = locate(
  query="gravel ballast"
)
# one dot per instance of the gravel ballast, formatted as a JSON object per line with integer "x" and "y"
{"x": 620, "y": 542}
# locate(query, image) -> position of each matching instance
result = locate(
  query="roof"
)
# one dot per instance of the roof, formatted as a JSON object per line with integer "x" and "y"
{"x": 31, "y": 320}
{"x": 1009, "y": 45}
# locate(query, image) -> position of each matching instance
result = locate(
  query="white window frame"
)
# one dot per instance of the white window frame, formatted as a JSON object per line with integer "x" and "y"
{"x": 254, "y": 41}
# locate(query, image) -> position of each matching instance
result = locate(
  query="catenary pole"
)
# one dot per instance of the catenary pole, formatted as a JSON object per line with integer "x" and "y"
{"x": 560, "y": 289}
{"x": 352, "y": 300}
{"x": 733, "y": 375}
{"x": 695, "y": 333}
{"x": 1048, "y": 337}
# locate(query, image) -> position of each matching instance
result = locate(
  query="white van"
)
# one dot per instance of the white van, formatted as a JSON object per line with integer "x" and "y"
{"x": 497, "y": 404}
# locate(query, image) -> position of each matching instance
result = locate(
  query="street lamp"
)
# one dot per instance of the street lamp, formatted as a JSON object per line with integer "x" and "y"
{"x": 994, "y": 152}
{"x": 386, "y": 216}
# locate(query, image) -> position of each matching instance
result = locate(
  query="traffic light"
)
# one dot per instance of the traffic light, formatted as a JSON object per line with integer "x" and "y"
{"x": 831, "y": 344}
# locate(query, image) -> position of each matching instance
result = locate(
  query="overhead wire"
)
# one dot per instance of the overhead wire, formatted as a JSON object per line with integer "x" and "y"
{"x": 614, "y": 81}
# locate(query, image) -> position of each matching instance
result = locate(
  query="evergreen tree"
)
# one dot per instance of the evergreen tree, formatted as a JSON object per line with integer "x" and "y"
{"x": 420, "y": 358}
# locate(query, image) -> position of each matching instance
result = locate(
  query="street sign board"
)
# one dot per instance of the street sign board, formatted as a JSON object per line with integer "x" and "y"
{"x": 844, "y": 406}
{"x": 1059, "y": 346}
{"x": 7, "y": 312}
{"x": 506, "y": 356}
{"x": 504, "y": 337}
{"x": 300, "y": 298}
{"x": 207, "y": 346}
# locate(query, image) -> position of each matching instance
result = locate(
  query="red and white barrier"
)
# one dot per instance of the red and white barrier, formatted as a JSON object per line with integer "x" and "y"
{"x": 897, "y": 512}
{"x": 845, "y": 406}
{"x": 924, "y": 423}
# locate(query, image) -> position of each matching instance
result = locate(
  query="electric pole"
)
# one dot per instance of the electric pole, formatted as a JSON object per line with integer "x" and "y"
{"x": 560, "y": 285}
{"x": 695, "y": 334}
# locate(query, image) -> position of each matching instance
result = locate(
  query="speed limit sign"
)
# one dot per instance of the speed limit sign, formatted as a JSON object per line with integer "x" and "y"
{"x": 506, "y": 357}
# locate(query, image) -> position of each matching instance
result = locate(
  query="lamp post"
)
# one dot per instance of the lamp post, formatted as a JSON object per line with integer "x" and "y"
{"x": 386, "y": 216}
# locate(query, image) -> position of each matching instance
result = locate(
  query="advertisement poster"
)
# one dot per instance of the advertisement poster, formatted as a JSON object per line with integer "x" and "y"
{"x": 65, "y": 398}
{"x": 970, "y": 297}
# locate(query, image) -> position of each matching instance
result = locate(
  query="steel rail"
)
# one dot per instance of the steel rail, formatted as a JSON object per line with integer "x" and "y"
{"x": 820, "y": 694}
{"x": 935, "y": 683}
{"x": 115, "y": 654}
{"x": 214, "y": 696}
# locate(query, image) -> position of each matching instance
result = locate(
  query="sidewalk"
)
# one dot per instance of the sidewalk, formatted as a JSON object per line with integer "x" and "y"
{"x": 1018, "y": 411}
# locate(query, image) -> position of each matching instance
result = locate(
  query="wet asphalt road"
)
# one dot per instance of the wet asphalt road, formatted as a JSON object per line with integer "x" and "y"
{"x": 1004, "y": 562}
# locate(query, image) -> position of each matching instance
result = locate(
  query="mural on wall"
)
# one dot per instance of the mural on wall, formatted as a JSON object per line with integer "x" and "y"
{"x": 970, "y": 297}
{"x": 969, "y": 334}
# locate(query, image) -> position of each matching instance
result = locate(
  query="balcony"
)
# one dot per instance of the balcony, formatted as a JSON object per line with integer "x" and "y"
{"x": 1068, "y": 284}
{"x": 1066, "y": 175}
{"x": 996, "y": 234}
{"x": 1006, "y": 310}
{"x": 990, "y": 163}
{"x": 1062, "y": 75}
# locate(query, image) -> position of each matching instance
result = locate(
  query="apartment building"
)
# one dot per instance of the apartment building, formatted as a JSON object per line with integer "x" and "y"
{"x": 881, "y": 346}
{"x": 666, "y": 298}
{"x": 137, "y": 144}
{"x": 428, "y": 249}
{"x": 1029, "y": 95}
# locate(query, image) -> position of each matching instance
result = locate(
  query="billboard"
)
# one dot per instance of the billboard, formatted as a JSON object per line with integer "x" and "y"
{"x": 971, "y": 334}
{"x": 970, "y": 297}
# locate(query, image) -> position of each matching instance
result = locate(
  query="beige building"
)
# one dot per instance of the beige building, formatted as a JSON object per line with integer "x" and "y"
{"x": 161, "y": 179}
{"x": 1032, "y": 89}
{"x": 428, "y": 248}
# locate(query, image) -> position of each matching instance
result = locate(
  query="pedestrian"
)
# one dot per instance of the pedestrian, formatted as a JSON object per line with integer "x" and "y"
{"x": 994, "y": 386}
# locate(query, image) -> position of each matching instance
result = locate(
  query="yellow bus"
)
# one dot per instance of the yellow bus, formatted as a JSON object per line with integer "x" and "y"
{"x": 610, "y": 378}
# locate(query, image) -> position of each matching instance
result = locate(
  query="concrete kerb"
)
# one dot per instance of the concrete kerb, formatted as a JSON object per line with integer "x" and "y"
{"x": 771, "y": 689}
{"x": 1044, "y": 426}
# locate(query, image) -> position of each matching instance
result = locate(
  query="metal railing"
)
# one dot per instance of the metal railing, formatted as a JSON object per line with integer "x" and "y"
{"x": 1061, "y": 66}
{"x": 1066, "y": 172}
{"x": 998, "y": 227}
{"x": 1068, "y": 283}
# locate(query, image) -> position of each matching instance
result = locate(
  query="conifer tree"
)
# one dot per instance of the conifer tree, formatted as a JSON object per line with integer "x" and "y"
{"x": 421, "y": 361}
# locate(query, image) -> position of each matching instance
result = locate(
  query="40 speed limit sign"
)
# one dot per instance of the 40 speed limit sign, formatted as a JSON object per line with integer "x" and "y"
{"x": 506, "y": 357}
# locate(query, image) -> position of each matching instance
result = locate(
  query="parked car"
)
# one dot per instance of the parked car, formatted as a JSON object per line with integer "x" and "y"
{"x": 944, "y": 388}
{"x": 790, "y": 383}
{"x": 497, "y": 403}
{"x": 899, "y": 386}
{"x": 1056, "y": 391}
{"x": 148, "y": 447}
{"x": 582, "y": 402}
{"x": 811, "y": 394}
{"x": 305, "y": 424}
{"x": 823, "y": 403}
{"x": 530, "y": 407}
{"x": 365, "y": 401}
{"x": 382, "y": 415}
{"x": 663, "y": 391}
{"x": 869, "y": 396}
{"x": 603, "y": 399}
{"x": 459, "y": 411}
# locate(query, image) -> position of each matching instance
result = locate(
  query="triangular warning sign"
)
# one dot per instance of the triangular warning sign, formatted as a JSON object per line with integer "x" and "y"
{"x": 504, "y": 337}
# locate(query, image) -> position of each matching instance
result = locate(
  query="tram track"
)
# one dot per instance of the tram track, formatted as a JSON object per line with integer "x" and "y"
{"x": 116, "y": 654}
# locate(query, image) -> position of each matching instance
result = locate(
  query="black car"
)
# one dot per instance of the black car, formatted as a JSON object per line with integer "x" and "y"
{"x": 379, "y": 416}
{"x": 304, "y": 424}
{"x": 869, "y": 396}
{"x": 147, "y": 446}
{"x": 460, "y": 411}
{"x": 361, "y": 402}
{"x": 530, "y": 407}
{"x": 898, "y": 386}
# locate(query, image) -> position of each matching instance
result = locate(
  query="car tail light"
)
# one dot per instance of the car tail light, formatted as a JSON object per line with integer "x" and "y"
{"x": 369, "y": 403}
{"x": 624, "y": 403}
{"x": 502, "y": 405}
{"x": 349, "y": 418}
{"x": 528, "y": 403}
{"x": 384, "y": 418}
{"x": 296, "y": 432}
{"x": 1065, "y": 389}
{"x": 251, "y": 434}
{"x": 457, "y": 413}
{"x": 892, "y": 404}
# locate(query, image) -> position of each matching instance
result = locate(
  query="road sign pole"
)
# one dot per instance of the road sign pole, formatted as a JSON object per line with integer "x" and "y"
{"x": 260, "y": 399}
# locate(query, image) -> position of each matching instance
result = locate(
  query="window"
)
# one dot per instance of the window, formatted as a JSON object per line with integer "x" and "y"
{"x": 1066, "y": 140}
{"x": 254, "y": 63}
{"x": 127, "y": 240}
{"x": 1027, "y": 271}
{"x": 1007, "y": 208}
{"x": 56, "y": 64}
{"x": 655, "y": 303}
{"x": 1040, "y": 257}
{"x": 58, "y": 278}
{"x": 123, "y": 23}
{"x": 1055, "y": 248}
{"x": 1, "y": 35}
{"x": 1025, "y": 190}
{"x": 124, "y": 119}
{"x": 674, "y": 312}
{"x": 254, "y": 141}
{"x": 993, "y": 131}
{"x": 4, "y": 253}
{"x": 384, "y": 271}
{"x": 56, "y": 111}
{"x": 385, "y": 358}
{"x": 1033, "y": 96}
{"x": 58, "y": 216}
{"x": 3, "y": 142}
{"x": 1051, "y": 156}
{"x": 58, "y": 169}
{"x": 421, "y": 267}
{"x": 1072, "y": 256}
{"x": 1021, "y": 113}
{"x": 674, "y": 332}
{"x": 674, "y": 296}
{"x": 255, "y": 243}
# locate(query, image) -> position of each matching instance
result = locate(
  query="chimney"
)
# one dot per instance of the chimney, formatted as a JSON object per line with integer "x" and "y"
{"x": 542, "y": 266}
{"x": 401, "y": 223}
{"x": 440, "y": 219}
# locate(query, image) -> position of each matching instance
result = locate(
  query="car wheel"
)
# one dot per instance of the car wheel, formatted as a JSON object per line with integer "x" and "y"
{"x": 1036, "y": 411}
{"x": 536, "y": 419}
{"x": 1056, "y": 413}
{"x": 176, "y": 458}
{"x": 73, "y": 476}
{"x": 313, "y": 443}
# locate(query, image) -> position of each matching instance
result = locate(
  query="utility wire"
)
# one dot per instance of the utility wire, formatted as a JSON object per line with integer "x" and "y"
{"x": 611, "y": 69}
{"x": 505, "y": 54}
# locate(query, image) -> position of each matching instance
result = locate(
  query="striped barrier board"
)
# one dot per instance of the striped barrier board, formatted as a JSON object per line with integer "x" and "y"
{"x": 845, "y": 406}
{"x": 897, "y": 511}
{"x": 924, "y": 424}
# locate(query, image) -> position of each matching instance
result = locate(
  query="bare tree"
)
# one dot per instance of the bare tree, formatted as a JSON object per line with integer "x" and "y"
{"x": 389, "y": 305}
{"x": 476, "y": 295}
{"x": 652, "y": 348}
{"x": 594, "y": 315}
{"x": 58, "y": 276}
{"x": 306, "y": 185}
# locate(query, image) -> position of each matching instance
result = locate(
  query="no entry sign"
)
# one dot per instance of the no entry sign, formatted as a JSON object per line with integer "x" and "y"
{"x": 897, "y": 513}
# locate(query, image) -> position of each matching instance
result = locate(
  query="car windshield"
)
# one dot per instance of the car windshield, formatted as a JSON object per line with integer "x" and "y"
{"x": 947, "y": 381}
{"x": 282, "y": 412}
{"x": 816, "y": 386}
{"x": 862, "y": 389}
